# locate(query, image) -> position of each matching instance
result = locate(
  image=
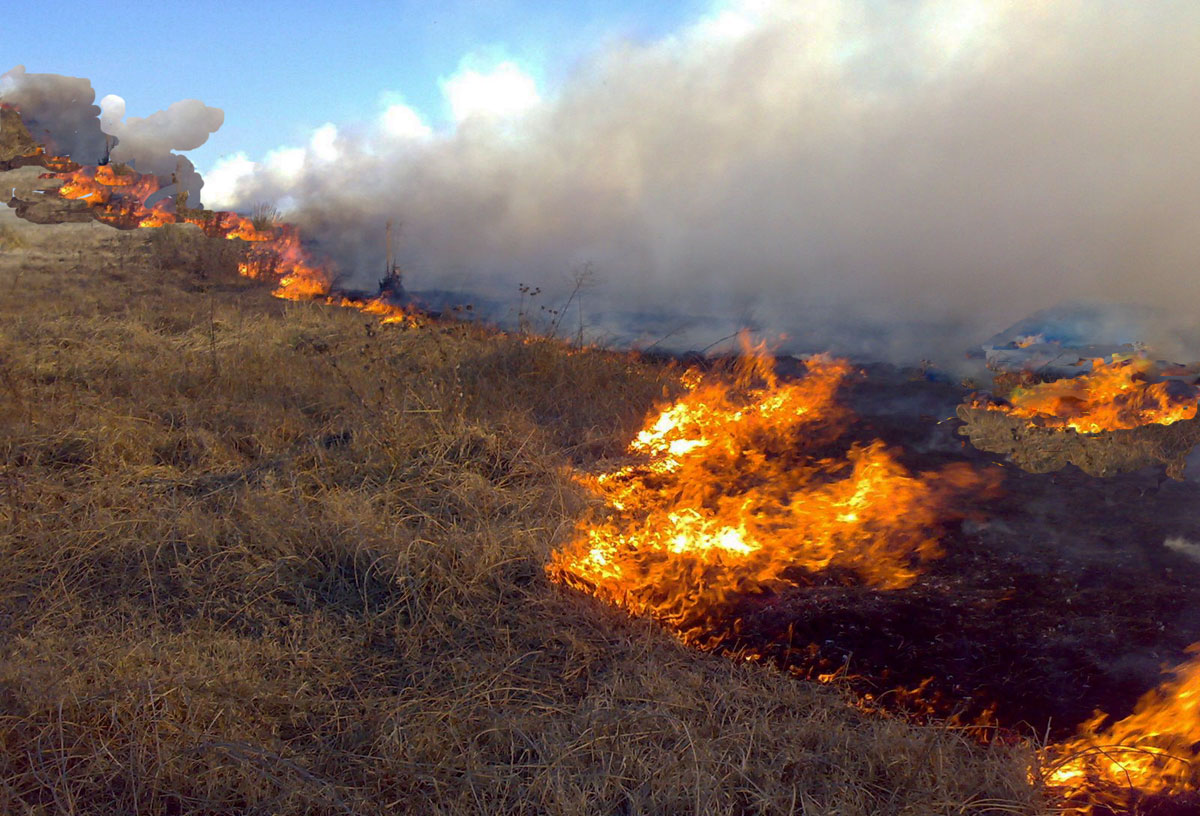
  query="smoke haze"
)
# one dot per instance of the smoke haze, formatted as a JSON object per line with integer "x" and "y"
{"x": 61, "y": 113}
{"x": 147, "y": 143}
{"x": 894, "y": 179}
{"x": 891, "y": 179}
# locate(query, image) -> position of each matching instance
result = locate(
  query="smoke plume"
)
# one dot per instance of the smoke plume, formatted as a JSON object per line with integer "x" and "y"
{"x": 897, "y": 180}
{"x": 61, "y": 113}
{"x": 147, "y": 143}
{"x": 893, "y": 179}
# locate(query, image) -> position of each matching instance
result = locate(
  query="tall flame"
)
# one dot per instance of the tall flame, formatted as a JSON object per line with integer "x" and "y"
{"x": 1155, "y": 750}
{"x": 739, "y": 489}
{"x": 1113, "y": 396}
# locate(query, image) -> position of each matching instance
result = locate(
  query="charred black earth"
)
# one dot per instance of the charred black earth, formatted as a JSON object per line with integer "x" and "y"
{"x": 1061, "y": 599}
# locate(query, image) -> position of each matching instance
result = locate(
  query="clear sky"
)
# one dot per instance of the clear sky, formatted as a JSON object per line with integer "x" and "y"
{"x": 281, "y": 68}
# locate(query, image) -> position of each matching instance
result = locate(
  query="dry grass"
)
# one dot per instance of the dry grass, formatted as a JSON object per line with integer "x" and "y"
{"x": 258, "y": 557}
{"x": 10, "y": 239}
{"x": 264, "y": 215}
{"x": 184, "y": 247}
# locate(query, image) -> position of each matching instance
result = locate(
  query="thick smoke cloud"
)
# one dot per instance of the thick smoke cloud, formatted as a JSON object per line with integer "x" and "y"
{"x": 61, "y": 113}
{"x": 147, "y": 143}
{"x": 58, "y": 110}
{"x": 889, "y": 178}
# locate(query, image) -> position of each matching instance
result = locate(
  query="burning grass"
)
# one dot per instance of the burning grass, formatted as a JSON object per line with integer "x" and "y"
{"x": 741, "y": 489}
{"x": 1121, "y": 416}
{"x": 272, "y": 251}
{"x": 1152, "y": 752}
{"x": 1118, "y": 395}
{"x": 263, "y": 556}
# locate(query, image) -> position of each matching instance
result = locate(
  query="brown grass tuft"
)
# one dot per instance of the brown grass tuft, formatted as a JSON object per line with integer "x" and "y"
{"x": 186, "y": 247}
{"x": 264, "y": 215}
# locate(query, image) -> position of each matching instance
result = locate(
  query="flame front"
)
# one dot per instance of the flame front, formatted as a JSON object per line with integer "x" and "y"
{"x": 1113, "y": 396}
{"x": 740, "y": 488}
{"x": 1155, "y": 750}
{"x": 118, "y": 197}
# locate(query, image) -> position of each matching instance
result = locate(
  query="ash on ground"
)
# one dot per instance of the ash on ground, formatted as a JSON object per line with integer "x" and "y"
{"x": 1069, "y": 594}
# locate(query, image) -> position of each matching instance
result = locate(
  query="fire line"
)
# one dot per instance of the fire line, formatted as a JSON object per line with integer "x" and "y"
{"x": 117, "y": 196}
{"x": 738, "y": 487}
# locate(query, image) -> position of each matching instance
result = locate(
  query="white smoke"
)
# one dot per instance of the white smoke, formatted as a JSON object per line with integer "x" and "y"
{"x": 1183, "y": 546}
{"x": 898, "y": 179}
{"x": 148, "y": 144}
{"x": 503, "y": 92}
{"x": 60, "y": 112}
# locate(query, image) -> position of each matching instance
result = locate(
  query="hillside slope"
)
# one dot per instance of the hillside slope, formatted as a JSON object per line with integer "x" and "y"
{"x": 265, "y": 557}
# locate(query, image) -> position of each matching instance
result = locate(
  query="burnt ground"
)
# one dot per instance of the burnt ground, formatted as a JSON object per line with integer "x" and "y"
{"x": 1059, "y": 600}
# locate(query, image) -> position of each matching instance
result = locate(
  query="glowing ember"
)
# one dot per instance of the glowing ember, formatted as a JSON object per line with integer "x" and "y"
{"x": 740, "y": 489}
{"x": 1113, "y": 396}
{"x": 1155, "y": 750}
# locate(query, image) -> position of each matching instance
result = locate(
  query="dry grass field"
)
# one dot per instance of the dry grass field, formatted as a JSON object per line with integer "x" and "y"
{"x": 269, "y": 558}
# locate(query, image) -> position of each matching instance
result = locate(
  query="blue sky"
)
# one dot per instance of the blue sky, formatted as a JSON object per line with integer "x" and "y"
{"x": 281, "y": 68}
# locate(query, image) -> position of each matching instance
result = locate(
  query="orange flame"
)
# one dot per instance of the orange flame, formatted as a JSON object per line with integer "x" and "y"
{"x": 118, "y": 197}
{"x": 1113, "y": 396}
{"x": 737, "y": 492}
{"x": 1155, "y": 750}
